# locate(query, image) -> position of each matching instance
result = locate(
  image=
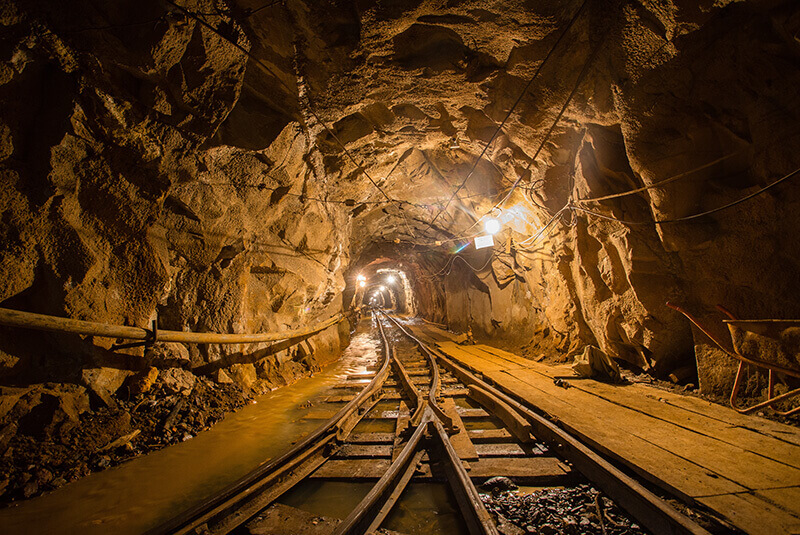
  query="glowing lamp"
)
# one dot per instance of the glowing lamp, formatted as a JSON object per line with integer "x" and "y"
{"x": 391, "y": 279}
{"x": 361, "y": 284}
{"x": 492, "y": 226}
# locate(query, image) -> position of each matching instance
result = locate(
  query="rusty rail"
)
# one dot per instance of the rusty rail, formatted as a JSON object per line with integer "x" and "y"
{"x": 379, "y": 501}
{"x": 650, "y": 510}
{"x": 237, "y": 503}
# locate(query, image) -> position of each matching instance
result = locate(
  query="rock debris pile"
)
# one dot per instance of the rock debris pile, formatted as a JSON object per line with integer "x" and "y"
{"x": 554, "y": 511}
{"x": 52, "y": 435}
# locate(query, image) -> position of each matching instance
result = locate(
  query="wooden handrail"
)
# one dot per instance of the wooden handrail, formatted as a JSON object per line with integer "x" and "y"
{"x": 43, "y": 322}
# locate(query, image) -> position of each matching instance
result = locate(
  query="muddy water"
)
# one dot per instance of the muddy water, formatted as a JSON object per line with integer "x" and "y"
{"x": 140, "y": 494}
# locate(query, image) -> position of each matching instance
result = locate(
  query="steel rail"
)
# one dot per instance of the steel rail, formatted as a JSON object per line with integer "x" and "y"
{"x": 368, "y": 515}
{"x": 478, "y": 519}
{"x": 44, "y": 322}
{"x": 650, "y": 510}
{"x": 436, "y": 381}
{"x": 220, "y": 510}
{"x": 376, "y": 505}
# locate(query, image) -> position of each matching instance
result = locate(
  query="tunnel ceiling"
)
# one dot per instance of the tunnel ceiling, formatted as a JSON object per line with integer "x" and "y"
{"x": 233, "y": 165}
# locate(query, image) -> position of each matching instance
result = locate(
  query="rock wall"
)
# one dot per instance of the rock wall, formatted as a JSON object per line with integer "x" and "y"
{"x": 231, "y": 166}
{"x": 708, "y": 92}
{"x": 124, "y": 200}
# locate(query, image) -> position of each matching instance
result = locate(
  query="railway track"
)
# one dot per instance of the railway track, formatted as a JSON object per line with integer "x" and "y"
{"x": 417, "y": 417}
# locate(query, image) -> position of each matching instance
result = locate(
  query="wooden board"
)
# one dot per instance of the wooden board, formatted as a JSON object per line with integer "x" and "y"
{"x": 403, "y": 420}
{"x": 460, "y": 440}
{"x": 751, "y": 470}
{"x": 371, "y": 438}
{"x": 363, "y": 451}
{"x": 785, "y": 498}
{"x": 280, "y": 519}
{"x": 352, "y": 469}
{"x": 528, "y": 470}
{"x": 500, "y": 449}
{"x": 743, "y": 467}
{"x": 483, "y": 436}
{"x": 472, "y": 413}
{"x": 753, "y": 515}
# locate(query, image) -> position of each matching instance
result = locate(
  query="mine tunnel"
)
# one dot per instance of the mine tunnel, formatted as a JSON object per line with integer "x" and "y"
{"x": 310, "y": 267}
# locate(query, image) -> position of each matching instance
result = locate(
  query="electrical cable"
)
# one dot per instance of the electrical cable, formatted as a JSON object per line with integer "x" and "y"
{"x": 657, "y": 184}
{"x": 473, "y": 268}
{"x": 584, "y": 71}
{"x": 510, "y": 111}
{"x": 260, "y": 63}
{"x": 693, "y": 216}
{"x": 250, "y": 12}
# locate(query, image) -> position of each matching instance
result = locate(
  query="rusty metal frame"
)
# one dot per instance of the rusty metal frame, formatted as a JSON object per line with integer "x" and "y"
{"x": 743, "y": 361}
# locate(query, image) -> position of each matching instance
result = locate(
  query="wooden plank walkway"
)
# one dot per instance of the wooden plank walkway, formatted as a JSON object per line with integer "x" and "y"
{"x": 744, "y": 468}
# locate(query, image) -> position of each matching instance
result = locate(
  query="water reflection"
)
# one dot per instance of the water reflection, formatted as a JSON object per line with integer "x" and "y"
{"x": 139, "y": 494}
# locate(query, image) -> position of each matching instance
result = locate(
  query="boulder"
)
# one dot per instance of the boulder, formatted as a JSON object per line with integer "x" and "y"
{"x": 169, "y": 355}
{"x": 177, "y": 380}
{"x": 142, "y": 382}
{"x": 244, "y": 374}
{"x": 52, "y": 410}
{"x": 104, "y": 383}
{"x": 6, "y": 434}
{"x": 7, "y": 364}
{"x": 220, "y": 377}
{"x": 9, "y": 396}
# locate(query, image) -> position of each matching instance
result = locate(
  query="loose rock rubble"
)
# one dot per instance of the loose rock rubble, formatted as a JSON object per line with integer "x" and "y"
{"x": 559, "y": 511}
{"x": 50, "y": 435}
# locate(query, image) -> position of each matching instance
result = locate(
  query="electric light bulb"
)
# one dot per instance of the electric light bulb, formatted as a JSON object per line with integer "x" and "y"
{"x": 391, "y": 279}
{"x": 492, "y": 226}
{"x": 361, "y": 284}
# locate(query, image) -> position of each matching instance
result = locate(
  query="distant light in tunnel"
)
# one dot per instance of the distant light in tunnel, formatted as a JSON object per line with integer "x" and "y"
{"x": 361, "y": 284}
{"x": 361, "y": 278}
{"x": 391, "y": 279}
{"x": 492, "y": 226}
{"x": 382, "y": 288}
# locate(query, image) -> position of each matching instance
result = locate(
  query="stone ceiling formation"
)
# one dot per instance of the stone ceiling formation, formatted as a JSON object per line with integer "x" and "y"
{"x": 233, "y": 166}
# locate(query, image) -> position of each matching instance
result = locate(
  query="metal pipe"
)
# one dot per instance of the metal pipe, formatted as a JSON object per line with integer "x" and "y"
{"x": 42, "y": 322}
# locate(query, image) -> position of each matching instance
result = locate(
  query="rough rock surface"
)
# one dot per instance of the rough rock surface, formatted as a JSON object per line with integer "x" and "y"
{"x": 189, "y": 164}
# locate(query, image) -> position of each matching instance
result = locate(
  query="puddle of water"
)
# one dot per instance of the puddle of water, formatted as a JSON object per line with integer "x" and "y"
{"x": 467, "y": 403}
{"x": 384, "y": 409}
{"x": 481, "y": 423}
{"x": 426, "y": 509}
{"x": 140, "y": 494}
{"x": 375, "y": 425}
{"x": 326, "y": 498}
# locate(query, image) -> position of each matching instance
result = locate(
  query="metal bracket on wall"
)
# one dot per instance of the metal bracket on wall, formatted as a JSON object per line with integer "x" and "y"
{"x": 151, "y": 339}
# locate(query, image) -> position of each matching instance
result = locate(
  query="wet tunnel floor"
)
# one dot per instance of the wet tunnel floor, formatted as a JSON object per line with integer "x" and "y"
{"x": 139, "y": 494}
{"x": 423, "y": 509}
